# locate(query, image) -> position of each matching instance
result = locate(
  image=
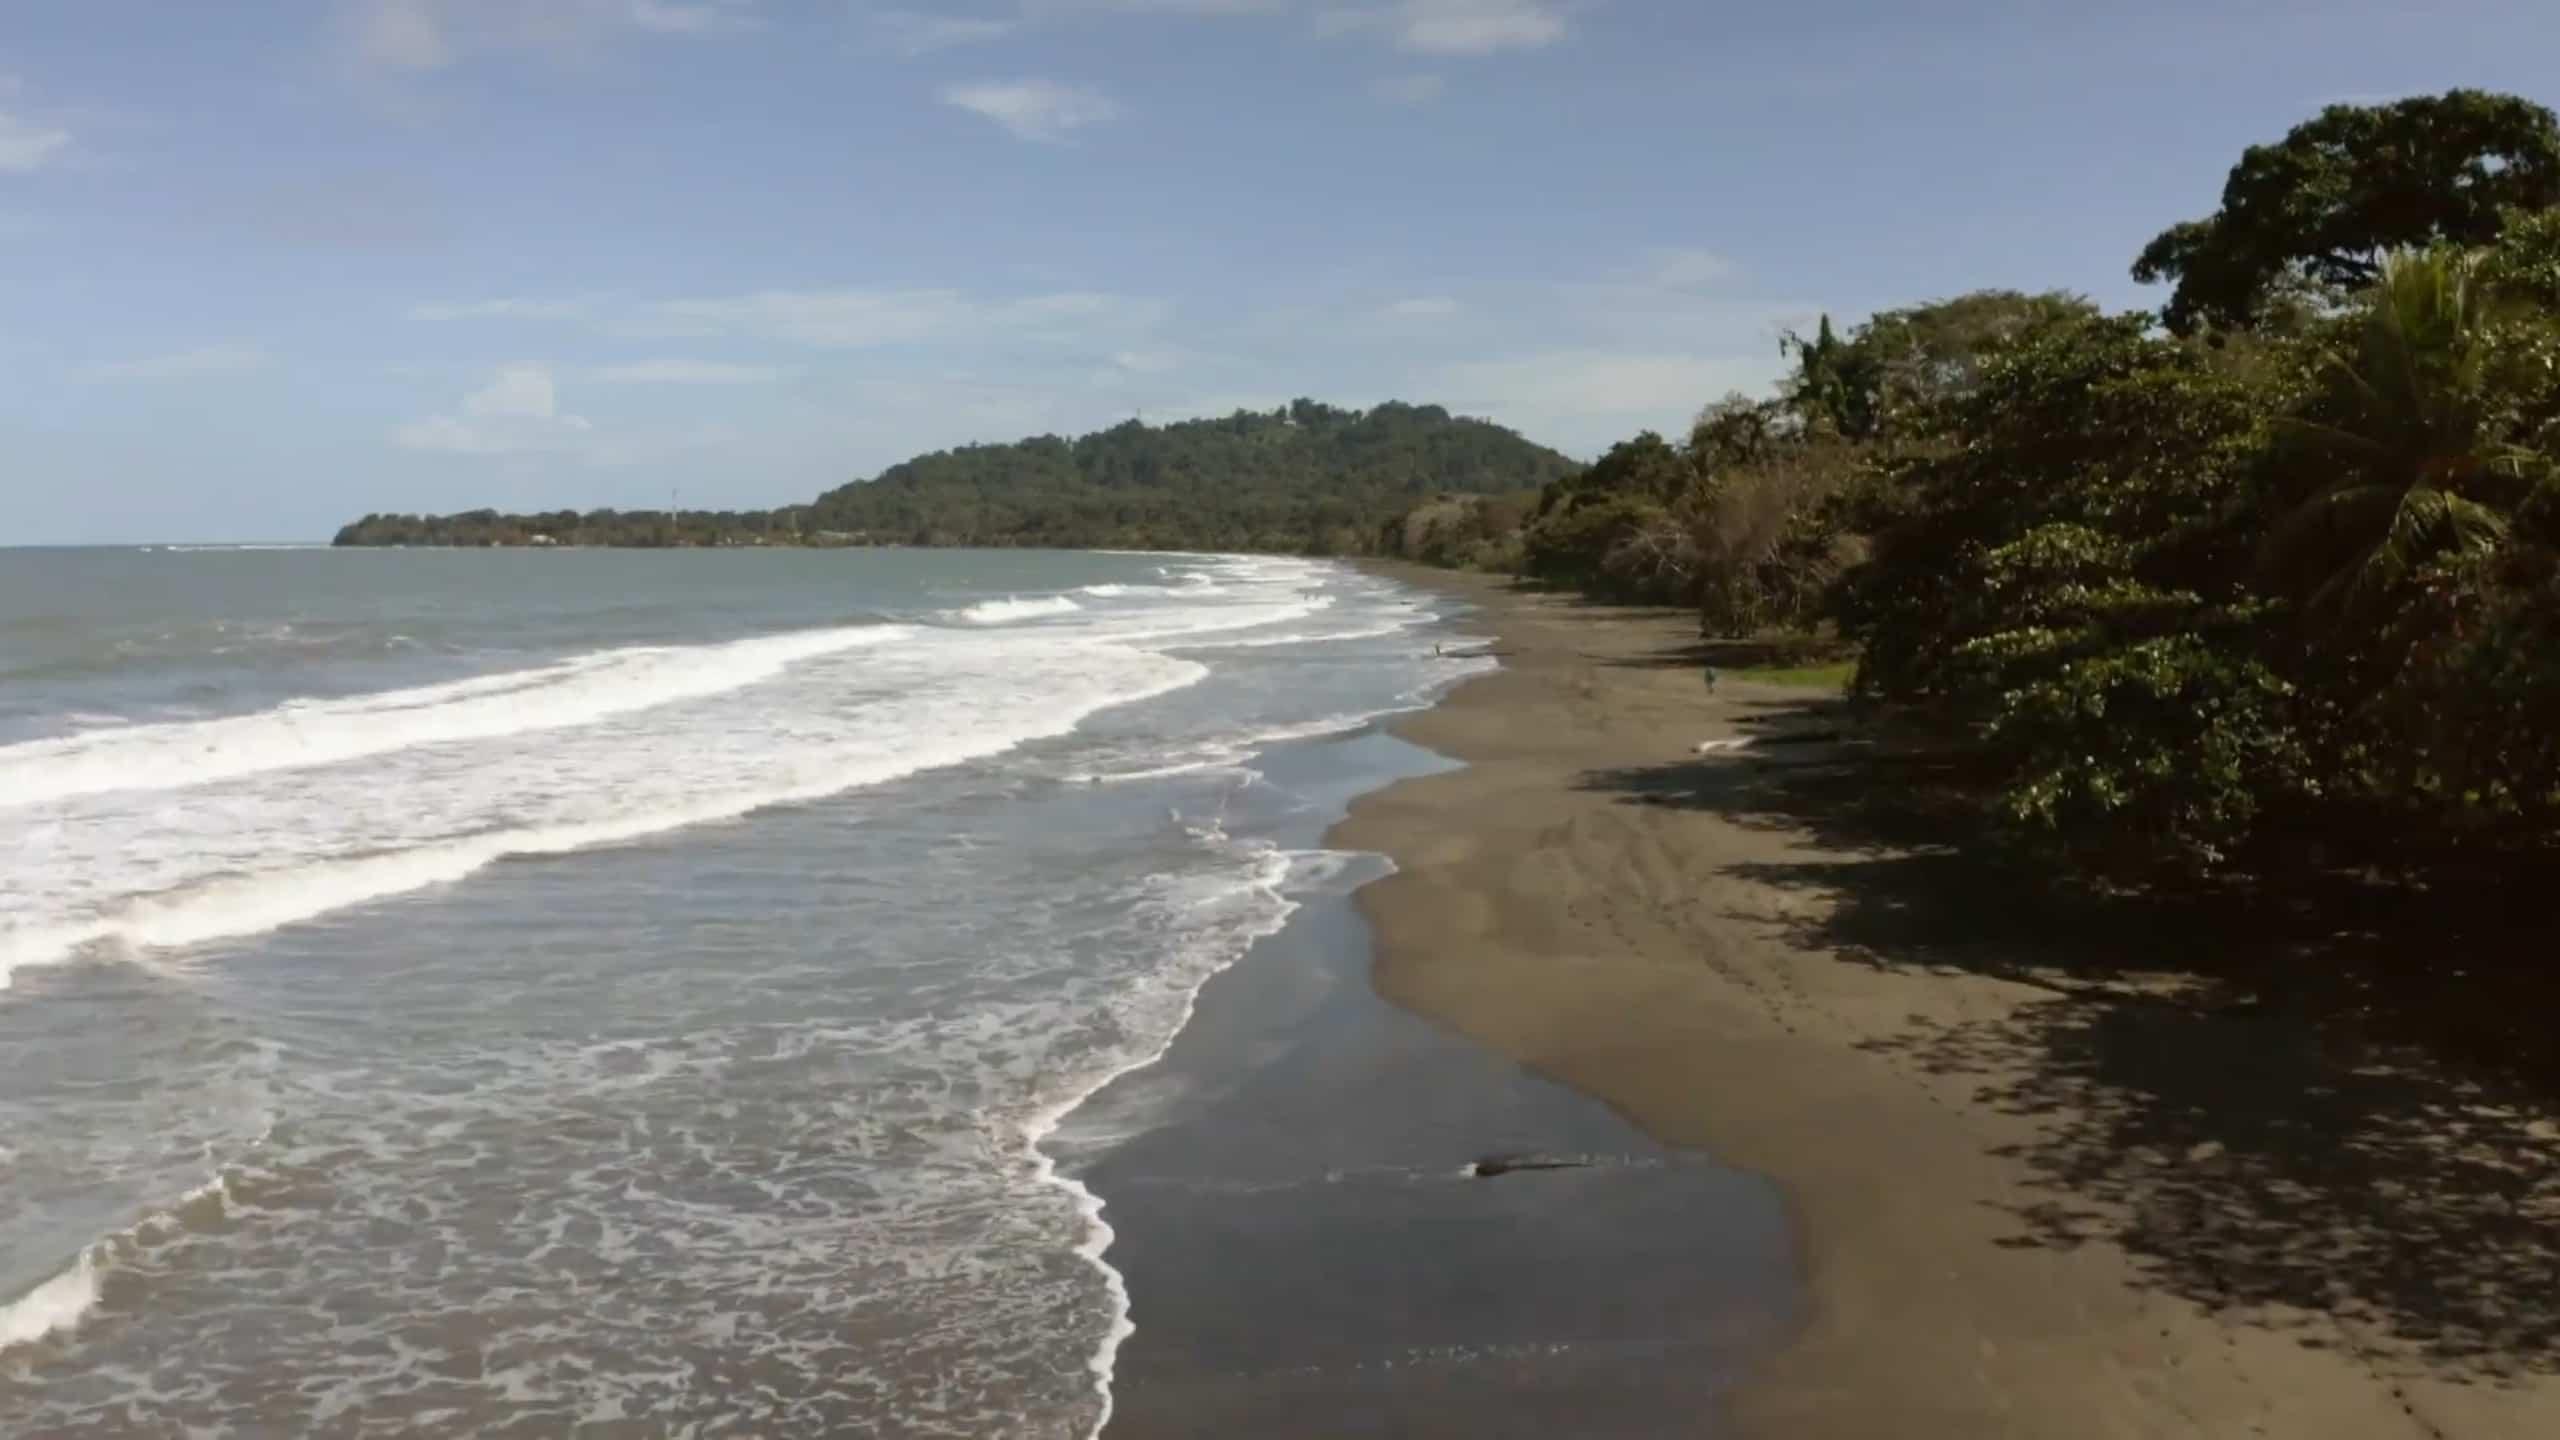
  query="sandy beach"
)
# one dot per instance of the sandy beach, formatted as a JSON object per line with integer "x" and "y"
{"x": 2036, "y": 1191}
{"x": 1307, "y": 1251}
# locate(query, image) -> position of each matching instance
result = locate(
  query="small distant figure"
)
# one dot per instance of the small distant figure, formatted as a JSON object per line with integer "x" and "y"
{"x": 1711, "y": 679}
{"x": 1435, "y": 649}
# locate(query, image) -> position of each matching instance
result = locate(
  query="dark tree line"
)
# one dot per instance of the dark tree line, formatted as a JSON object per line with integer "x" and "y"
{"x": 2270, "y": 580}
{"x": 1307, "y": 478}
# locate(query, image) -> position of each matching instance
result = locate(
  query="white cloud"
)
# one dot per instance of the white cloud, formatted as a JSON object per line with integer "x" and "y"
{"x": 204, "y": 360}
{"x": 1556, "y": 390}
{"x": 1476, "y": 27}
{"x": 506, "y": 309}
{"x": 670, "y": 18}
{"x": 913, "y": 33}
{"x": 1163, "y": 7}
{"x": 1452, "y": 27}
{"x": 401, "y": 35}
{"x": 423, "y": 35}
{"x": 847, "y": 318}
{"x": 1037, "y": 110}
{"x": 690, "y": 372}
{"x": 516, "y": 413}
{"x": 518, "y": 391}
{"x": 853, "y": 319}
{"x": 1147, "y": 362}
{"x": 1418, "y": 89}
{"x": 25, "y": 147}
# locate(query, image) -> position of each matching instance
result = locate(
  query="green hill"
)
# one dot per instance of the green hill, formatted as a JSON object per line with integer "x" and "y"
{"x": 1308, "y": 478}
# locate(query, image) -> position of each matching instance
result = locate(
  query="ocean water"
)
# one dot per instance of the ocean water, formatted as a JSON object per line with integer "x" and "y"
{"x": 510, "y": 993}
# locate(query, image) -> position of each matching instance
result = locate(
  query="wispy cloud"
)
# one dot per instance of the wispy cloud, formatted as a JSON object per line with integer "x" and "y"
{"x": 399, "y": 34}
{"x": 424, "y": 35}
{"x": 1418, "y": 89}
{"x": 517, "y": 413}
{"x": 1551, "y": 389}
{"x": 912, "y": 32}
{"x": 1425, "y": 307}
{"x": 843, "y": 318}
{"x": 1682, "y": 269}
{"x": 854, "y": 319}
{"x": 508, "y": 309}
{"x": 1162, "y": 7}
{"x": 669, "y": 17}
{"x": 690, "y": 372}
{"x": 1147, "y": 362}
{"x": 1451, "y": 27}
{"x": 204, "y": 360}
{"x": 1036, "y": 110}
{"x": 27, "y": 147}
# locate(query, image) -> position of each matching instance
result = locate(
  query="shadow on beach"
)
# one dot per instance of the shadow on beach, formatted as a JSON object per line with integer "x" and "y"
{"x": 2339, "y": 1104}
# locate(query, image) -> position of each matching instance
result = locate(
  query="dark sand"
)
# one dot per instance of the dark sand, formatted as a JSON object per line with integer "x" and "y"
{"x": 2030, "y": 1203}
{"x": 1307, "y": 1255}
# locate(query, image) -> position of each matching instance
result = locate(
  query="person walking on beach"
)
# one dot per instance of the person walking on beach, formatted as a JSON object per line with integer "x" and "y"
{"x": 1711, "y": 679}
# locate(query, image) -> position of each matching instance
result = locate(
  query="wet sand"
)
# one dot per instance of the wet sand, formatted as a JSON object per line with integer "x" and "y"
{"x": 1307, "y": 1253}
{"x": 2027, "y": 1204}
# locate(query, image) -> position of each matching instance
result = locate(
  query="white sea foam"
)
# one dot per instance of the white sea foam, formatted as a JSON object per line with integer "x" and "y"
{"x": 256, "y": 861}
{"x": 1125, "y": 592}
{"x": 1186, "y": 623}
{"x": 300, "y": 733}
{"x": 57, "y": 1304}
{"x": 1306, "y": 637}
{"x": 1269, "y": 869}
{"x": 1005, "y": 612}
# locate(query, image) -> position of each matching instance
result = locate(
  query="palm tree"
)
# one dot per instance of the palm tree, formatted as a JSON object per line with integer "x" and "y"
{"x": 2404, "y": 440}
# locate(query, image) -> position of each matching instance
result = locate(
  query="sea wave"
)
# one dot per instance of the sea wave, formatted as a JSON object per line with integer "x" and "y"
{"x": 1006, "y": 611}
{"x": 1029, "y": 697}
{"x": 302, "y": 733}
{"x": 1308, "y": 637}
{"x": 1261, "y": 885}
{"x": 57, "y": 1304}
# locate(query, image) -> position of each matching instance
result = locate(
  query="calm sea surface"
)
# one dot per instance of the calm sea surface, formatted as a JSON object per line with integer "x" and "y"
{"x": 507, "y": 992}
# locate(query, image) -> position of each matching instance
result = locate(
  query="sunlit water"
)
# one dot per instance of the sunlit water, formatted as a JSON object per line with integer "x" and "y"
{"x": 496, "y": 993}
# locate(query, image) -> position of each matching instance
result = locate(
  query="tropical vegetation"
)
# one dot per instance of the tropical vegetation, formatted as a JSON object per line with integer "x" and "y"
{"x": 1306, "y": 478}
{"x": 2268, "y": 579}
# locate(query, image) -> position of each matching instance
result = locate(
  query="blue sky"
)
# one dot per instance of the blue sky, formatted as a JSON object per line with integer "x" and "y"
{"x": 266, "y": 265}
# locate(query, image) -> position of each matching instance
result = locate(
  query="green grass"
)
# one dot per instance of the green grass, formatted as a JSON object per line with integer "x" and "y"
{"x": 1834, "y": 676}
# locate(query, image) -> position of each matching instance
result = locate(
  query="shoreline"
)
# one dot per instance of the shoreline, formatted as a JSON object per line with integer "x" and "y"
{"x": 1295, "y": 1217}
{"x": 2018, "y": 1213}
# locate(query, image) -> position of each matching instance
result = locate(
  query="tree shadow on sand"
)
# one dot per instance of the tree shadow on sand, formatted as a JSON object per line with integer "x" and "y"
{"x": 2340, "y": 1105}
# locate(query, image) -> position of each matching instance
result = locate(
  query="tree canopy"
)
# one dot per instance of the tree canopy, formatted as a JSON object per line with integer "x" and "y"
{"x": 2325, "y": 203}
{"x": 2275, "y": 599}
{"x": 1304, "y": 478}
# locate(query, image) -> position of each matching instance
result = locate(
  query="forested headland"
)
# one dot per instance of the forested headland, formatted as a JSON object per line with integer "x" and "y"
{"x": 2265, "y": 582}
{"x": 1306, "y": 478}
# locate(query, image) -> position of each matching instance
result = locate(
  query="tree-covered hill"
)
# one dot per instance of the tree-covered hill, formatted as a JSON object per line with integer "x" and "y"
{"x": 1307, "y": 478}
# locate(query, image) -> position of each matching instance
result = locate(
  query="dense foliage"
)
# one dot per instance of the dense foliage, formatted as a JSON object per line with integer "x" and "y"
{"x": 641, "y": 529}
{"x": 2272, "y": 585}
{"x": 2321, "y": 207}
{"x": 1306, "y": 478}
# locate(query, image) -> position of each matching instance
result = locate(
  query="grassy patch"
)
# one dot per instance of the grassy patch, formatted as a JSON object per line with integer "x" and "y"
{"x": 1834, "y": 676}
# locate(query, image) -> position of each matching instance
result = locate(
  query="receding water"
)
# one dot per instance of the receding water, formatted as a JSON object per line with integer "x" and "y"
{"x": 492, "y": 992}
